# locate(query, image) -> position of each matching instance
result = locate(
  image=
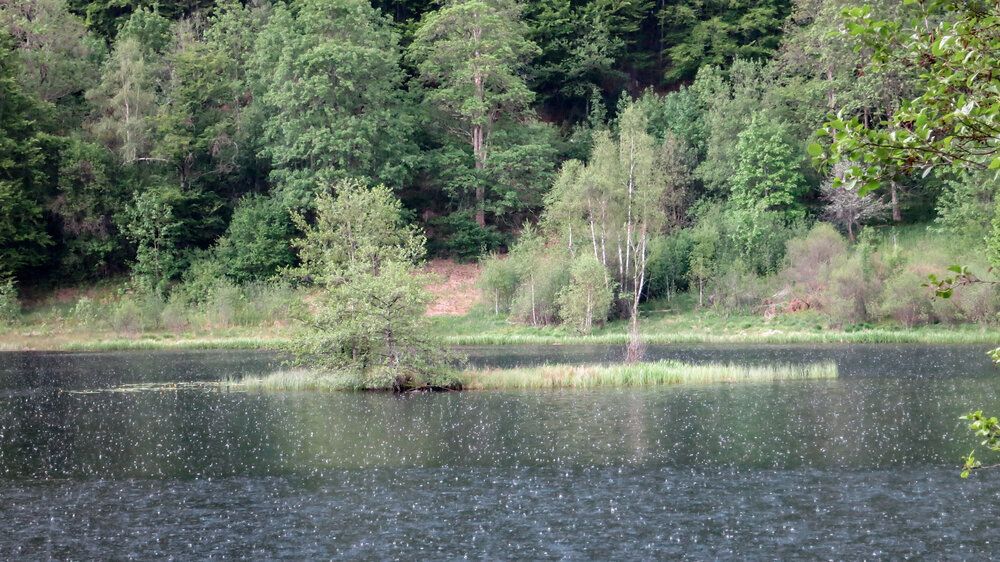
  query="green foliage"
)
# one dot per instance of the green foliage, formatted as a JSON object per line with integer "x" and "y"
{"x": 369, "y": 316}
{"x": 199, "y": 279}
{"x": 470, "y": 54}
{"x": 967, "y": 206}
{"x": 23, "y": 170}
{"x": 810, "y": 259}
{"x": 851, "y": 292}
{"x": 905, "y": 300}
{"x": 729, "y": 103}
{"x": 703, "y": 259}
{"x": 58, "y": 58}
{"x": 257, "y": 243}
{"x": 137, "y": 311}
{"x": 125, "y": 100}
{"x": 10, "y": 306}
{"x": 668, "y": 264}
{"x": 473, "y": 52}
{"x": 152, "y": 227}
{"x": 87, "y": 201}
{"x": 985, "y": 427}
{"x": 993, "y": 238}
{"x": 458, "y": 235}
{"x": 580, "y": 43}
{"x": 697, "y": 34}
{"x": 739, "y": 289}
{"x": 149, "y": 29}
{"x": 542, "y": 275}
{"x": 521, "y": 166}
{"x": 587, "y": 298}
{"x": 767, "y": 173}
{"x": 331, "y": 96}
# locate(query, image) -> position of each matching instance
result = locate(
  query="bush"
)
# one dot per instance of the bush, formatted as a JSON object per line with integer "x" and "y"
{"x": 499, "y": 280}
{"x": 536, "y": 298}
{"x": 136, "y": 312}
{"x": 267, "y": 302}
{"x": 200, "y": 279}
{"x": 738, "y": 288}
{"x": 810, "y": 258}
{"x": 10, "y": 306}
{"x": 175, "y": 315}
{"x": 587, "y": 297}
{"x": 852, "y": 290}
{"x": 979, "y": 304}
{"x": 87, "y": 312}
{"x": 223, "y": 304}
{"x": 542, "y": 272}
{"x": 905, "y": 300}
{"x": 668, "y": 264}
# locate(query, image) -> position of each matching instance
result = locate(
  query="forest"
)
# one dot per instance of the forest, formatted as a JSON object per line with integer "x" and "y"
{"x": 592, "y": 155}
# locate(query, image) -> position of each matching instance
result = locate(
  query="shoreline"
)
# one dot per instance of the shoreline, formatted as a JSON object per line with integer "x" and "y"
{"x": 69, "y": 341}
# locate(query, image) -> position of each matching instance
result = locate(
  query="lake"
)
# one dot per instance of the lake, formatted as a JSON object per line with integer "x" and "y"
{"x": 863, "y": 466}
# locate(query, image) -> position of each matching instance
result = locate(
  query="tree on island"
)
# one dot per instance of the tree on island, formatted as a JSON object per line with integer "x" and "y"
{"x": 954, "y": 122}
{"x": 368, "y": 321}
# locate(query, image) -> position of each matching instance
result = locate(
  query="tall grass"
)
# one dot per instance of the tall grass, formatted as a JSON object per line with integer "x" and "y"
{"x": 296, "y": 379}
{"x": 640, "y": 374}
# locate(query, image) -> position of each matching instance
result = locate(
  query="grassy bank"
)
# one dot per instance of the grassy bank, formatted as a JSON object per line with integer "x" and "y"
{"x": 661, "y": 324}
{"x": 99, "y": 340}
{"x": 562, "y": 376}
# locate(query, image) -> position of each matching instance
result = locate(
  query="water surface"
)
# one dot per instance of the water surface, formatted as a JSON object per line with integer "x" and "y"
{"x": 864, "y": 466}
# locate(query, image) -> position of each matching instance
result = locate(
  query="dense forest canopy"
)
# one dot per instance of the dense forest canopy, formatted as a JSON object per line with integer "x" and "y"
{"x": 174, "y": 142}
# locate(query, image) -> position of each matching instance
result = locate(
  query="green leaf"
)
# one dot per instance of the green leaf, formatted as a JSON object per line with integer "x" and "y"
{"x": 815, "y": 149}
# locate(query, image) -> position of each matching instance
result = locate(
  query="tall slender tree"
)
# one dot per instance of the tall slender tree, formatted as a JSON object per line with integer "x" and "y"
{"x": 471, "y": 55}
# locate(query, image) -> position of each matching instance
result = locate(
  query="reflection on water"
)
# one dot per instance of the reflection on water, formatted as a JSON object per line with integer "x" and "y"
{"x": 859, "y": 467}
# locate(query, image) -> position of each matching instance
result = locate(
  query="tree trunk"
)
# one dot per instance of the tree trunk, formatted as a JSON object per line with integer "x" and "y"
{"x": 636, "y": 349}
{"x": 897, "y": 215}
{"x": 480, "y": 155}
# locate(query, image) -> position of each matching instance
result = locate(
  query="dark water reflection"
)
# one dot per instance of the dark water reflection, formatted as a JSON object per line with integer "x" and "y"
{"x": 859, "y": 467}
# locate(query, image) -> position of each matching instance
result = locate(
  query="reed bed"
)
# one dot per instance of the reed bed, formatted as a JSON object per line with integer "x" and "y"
{"x": 295, "y": 379}
{"x": 640, "y": 374}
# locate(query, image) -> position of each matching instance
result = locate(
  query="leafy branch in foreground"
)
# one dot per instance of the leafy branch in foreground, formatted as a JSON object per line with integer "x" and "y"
{"x": 955, "y": 47}
{"x": 988, "y": 428}
{"x": 945, "y": 287}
